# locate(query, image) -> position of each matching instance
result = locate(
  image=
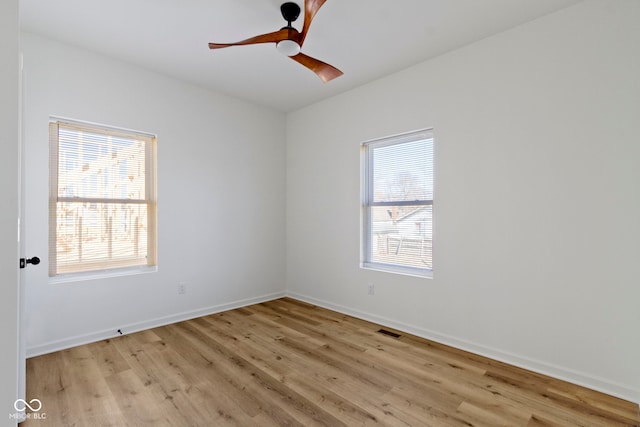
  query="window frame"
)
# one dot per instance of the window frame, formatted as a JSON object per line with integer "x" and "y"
{"x": 104, "y": 268}
{"x": 367, "y": 188}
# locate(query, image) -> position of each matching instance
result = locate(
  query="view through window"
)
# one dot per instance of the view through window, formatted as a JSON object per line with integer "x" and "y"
{"x": 102, "y": 210}
{"x": 398, "y": 203}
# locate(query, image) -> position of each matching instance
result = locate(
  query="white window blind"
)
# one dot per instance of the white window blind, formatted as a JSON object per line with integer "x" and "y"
{"x": 398, "y": 203}
{"x": 102, "y": 199}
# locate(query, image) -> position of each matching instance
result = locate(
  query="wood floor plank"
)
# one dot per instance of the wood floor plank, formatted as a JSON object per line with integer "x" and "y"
{"x": 133, "y": 404}
{"x": 108, "y": 358}
{"x": 172, "y": 381}
{"x": 213, "y": 370}
{"x": 290, "y": 363}
{"x": 51, "y": 376}
{"x": 333, "y": 403}
{"x": 263, "y": 384}
{"x": 294, "y": 371}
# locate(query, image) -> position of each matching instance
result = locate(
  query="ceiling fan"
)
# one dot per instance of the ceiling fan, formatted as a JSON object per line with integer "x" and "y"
{"x": 289, "y": 41}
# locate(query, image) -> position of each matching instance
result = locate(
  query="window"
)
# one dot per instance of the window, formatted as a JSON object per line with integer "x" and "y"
{"x": 398, "y": 203}
{"x": 102, "y": 198}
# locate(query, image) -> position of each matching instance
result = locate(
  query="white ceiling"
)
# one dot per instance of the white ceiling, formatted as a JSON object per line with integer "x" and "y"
{"x": 366, "y": 39}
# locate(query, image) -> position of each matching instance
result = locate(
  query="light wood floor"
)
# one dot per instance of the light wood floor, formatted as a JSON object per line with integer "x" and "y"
{"x": 289, "y": 363}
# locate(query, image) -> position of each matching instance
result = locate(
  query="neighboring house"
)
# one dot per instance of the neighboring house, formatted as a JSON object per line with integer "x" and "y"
{"x": 403, "y": 235}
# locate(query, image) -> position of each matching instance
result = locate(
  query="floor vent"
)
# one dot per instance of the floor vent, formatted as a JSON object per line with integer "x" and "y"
{"x": 391, "y": 334}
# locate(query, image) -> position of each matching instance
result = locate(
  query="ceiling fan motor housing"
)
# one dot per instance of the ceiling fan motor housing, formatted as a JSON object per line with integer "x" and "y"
{"x": 290, "y": 11}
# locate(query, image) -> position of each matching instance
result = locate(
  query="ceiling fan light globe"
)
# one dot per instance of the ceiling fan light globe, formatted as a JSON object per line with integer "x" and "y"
{"x": 288, "y": 47}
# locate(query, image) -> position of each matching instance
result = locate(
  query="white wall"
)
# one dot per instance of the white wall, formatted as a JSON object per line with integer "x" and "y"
{"x": 221, "y": 196}
{"x": 9, "y": 172}
{"x": 537, "y": 208}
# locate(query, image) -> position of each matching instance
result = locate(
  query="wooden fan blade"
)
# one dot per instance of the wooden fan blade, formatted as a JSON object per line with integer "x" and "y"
{"x": 275, "y": 37}
{"x": 311, "y": 7}
{"x": 325, "y": 71}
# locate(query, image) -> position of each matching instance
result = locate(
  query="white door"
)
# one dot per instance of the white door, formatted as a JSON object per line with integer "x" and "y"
{"x": 29, "y": 261}
{"x": 9, "y": 181}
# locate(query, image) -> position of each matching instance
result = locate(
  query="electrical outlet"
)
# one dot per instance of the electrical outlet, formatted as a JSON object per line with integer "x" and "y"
{"x": 371, "y": 289}
{"x": 182, "y": 288}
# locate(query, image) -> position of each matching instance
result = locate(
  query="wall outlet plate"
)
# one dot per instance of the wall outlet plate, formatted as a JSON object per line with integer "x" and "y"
{"x": 182, "y": 288}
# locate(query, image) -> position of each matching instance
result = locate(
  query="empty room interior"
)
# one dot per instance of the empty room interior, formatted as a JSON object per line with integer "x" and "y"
{"x": 431, "y": 216}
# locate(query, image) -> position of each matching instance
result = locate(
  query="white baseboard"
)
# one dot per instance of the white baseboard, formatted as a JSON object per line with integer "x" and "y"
{"x": 622, "y": 391}
{"x": 70, "y": 342}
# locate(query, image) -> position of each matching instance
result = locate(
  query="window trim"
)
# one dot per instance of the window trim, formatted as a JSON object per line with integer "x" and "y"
{"x": 150, "y": 200}
{"x": 368, "y": 203}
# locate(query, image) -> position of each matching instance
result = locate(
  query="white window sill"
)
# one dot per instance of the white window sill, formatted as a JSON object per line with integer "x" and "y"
{"x": 102, "y": 274}
{"x": 405, "y": 271}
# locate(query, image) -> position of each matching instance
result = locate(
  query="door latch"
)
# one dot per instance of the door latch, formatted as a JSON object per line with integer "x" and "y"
{"x": 34, "y": 261}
